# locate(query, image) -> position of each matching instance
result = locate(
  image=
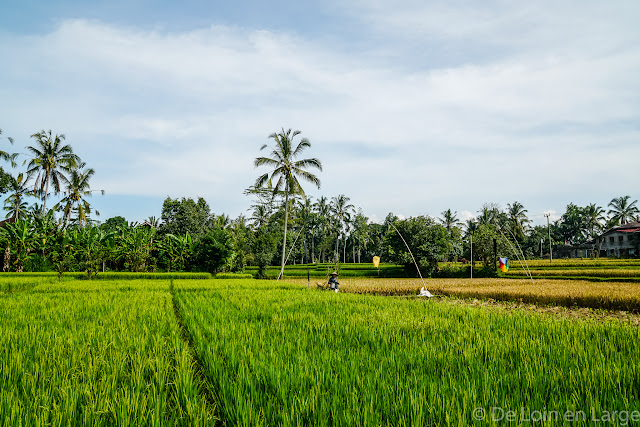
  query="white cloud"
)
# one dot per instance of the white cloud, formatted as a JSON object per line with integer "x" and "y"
{"x": 184, "y": 113}
{"x": 466, "y": 215}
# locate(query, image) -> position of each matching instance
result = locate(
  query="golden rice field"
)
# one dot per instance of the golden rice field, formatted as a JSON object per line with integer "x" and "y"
{"x": 601, "y": 295}
{"x": 578, "y": 272}
{"x": 579, "y": 262}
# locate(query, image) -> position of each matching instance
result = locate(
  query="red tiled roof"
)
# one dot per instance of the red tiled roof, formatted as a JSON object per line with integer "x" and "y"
{"x": 633, "y": 224}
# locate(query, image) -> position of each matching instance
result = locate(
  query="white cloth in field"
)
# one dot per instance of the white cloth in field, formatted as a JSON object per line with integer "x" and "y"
{"x": 425, "y": 293}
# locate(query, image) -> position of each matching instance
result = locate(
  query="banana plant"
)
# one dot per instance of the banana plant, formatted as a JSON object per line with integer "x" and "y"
{"x": 134, "y": 246}
{"x": 177, "y": 250}
{"x": 46, "y": 231}
{"x": 19, "y": 239}
{"x": 92, "y": 246}
{"x": 62, "y": 254}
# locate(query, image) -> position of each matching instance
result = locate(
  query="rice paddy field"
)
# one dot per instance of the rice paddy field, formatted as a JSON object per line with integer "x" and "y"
{"x": 250, "y": 352}
{"x": 583, "y": 293}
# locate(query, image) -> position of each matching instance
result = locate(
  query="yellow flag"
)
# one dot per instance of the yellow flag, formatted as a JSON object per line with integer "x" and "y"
{"x": 376, "y": 261}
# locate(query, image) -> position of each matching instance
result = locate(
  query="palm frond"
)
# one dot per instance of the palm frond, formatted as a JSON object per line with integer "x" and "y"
{"x": 308, "y": 163}
{"x": 302, "y": 145}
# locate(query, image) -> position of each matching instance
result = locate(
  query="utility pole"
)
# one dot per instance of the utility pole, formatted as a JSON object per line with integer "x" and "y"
{"x": 549, "y": 231}
{"x": 471, "y": 245}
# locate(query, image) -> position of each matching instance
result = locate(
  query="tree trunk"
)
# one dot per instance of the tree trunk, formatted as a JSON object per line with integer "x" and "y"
{"x": 7, "y": 259}
{"x": 344, "y": 249}
{"x": 66, "y": 223}
{"x": 46, "y": 191}
{"x": 284, "y": 239}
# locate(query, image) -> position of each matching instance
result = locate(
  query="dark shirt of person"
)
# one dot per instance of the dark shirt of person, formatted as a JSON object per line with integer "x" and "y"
{"x": 333, "y": 282}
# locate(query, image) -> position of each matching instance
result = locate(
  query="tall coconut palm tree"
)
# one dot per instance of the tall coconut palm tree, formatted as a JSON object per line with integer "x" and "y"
{"x": 287, "y": 170}
{"x": 305, "y": 218}
{"x": 342, "y": 211}
{"x": 6, "y": 156}
{"x": 517, "y": 219}
{"x": 488, "y": 214}
{"x": 449, "y": 220}
{"x": 14, "y": 205}
{"x": 471, "y": 226}
{"x": 323, "y": 212}
{"x": 594, "y": 218}
{"x": 49, "y": 160}
{"x": 622, "y": 210}
{"x": 259, "y": 216}
{"x": 77, "y": 189}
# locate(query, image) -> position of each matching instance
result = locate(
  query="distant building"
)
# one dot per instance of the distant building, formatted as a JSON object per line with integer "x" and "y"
{"x": 585, "y": 250}
{"x": 621, "y": 241}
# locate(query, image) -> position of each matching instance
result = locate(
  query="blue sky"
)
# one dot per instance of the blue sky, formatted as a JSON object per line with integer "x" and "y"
{"x": 414, "y": 107}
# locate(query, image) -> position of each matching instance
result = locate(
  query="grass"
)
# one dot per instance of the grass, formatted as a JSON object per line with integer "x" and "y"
{"x": 109, "y": 275}
{"x": 112, "y": 275}
{"x": 279, "y": 354}
{"x": 86, "y": 353}
{"x": 251, "y": 352}
{"x": 233, "y": 276}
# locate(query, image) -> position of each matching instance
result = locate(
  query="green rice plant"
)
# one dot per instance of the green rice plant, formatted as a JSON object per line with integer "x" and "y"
{"x": 279, "y": 354}
{"x": 100, "y": 354}
{"x": 110, "y": 275}
{"x": 234, "y": 276}
{"x": 28, "y": 274}
{"x": 19, "y": 283}
{"x": 113, "y": 275}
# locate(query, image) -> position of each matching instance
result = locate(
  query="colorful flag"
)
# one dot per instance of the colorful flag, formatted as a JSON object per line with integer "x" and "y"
{"x": 504, "y": 264}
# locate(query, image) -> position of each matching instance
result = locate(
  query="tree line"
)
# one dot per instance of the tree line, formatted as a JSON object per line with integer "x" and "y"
{"x": 282, "y": 226}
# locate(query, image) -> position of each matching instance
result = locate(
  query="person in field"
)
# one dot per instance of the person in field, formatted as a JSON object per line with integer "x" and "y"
{"x": 333, "y": 281}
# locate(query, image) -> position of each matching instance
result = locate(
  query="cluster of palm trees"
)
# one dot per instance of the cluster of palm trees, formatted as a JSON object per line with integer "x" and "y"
{"x": 51, "y": 166}
{"x": 581, "y": 224}
{"x": 324, "y": 230}
{"x": 577, "y": 225}
{"x": 323, "y": 224}
{"x": 285, "y": 224}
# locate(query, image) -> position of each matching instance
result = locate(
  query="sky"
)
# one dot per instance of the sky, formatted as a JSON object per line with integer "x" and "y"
{"x": 413, "y": 106}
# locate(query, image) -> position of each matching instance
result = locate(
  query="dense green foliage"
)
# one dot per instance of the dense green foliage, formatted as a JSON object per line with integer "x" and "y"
{"x": 285, "y": 227}
{"x": 426, "y": 238}
{"x": 212, "y": 250}
{"x": 186, "y": 216}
